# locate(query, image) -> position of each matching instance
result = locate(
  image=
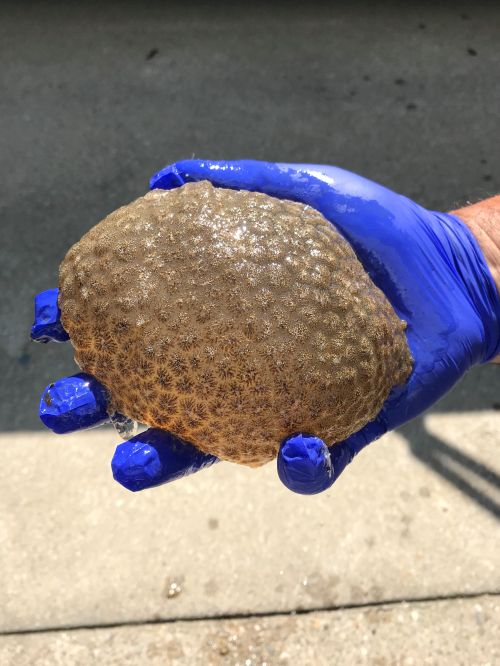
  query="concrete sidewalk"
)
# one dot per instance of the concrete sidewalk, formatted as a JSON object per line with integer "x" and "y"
{"x": 80, "y": 550}
{"x": 440, "y": 633}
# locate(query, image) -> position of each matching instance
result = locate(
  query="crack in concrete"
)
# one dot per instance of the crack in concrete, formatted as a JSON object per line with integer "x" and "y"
{"x": 249, "y": 615}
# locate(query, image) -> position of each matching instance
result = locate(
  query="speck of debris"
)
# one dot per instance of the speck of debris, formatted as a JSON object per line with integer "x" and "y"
{"x": 472, "y": 52}
{"x": 367, "y": 77}
{"x": 487, "y": 177}
{"x": 222, "y": 647}
{"x": 411, "y": 106}
{"x": 151, "y": 54}
{"x": 213, "y": 523}
{"x": 464, "y": 17}
{"x": 172, "y": 590}
{"x": 422, "y": 26}
{"x": 483, "y": 161}
{"x": 399, "y": 82}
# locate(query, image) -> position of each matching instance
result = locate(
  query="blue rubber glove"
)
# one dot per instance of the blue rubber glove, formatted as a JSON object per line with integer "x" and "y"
{"x": 427, "y": 263}
{"x": 429, "y": 266}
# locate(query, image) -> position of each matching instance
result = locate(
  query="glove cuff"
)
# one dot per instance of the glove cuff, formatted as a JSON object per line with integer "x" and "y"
{"x": 470, "y": 264}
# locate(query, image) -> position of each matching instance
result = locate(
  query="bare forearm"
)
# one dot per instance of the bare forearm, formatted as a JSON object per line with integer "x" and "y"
{"x": 483, "y": 219}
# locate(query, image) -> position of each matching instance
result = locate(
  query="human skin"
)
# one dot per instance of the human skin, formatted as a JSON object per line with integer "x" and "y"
{"x": 483, "y": 219}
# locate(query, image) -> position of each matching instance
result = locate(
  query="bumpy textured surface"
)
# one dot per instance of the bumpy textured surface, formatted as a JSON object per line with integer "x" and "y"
{"x": 231, "y": 319}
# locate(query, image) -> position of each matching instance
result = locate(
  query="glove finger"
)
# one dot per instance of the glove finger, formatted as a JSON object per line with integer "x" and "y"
{"x": 47, "y": 326}
{"x": 74, "y": 403}
{"x": 307, "y": 466}
{"x": 155, "y": 457}
{"x": 304, "y": 464}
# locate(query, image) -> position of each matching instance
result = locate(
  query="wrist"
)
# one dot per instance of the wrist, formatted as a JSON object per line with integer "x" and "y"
{"x": 483, "y": 220}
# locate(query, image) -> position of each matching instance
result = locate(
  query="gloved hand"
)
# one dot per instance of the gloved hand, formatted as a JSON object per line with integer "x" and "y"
{"x": 427, "y": 263}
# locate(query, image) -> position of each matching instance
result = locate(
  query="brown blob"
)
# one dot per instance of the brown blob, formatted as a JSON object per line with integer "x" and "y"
{"x": 233, "y": 318}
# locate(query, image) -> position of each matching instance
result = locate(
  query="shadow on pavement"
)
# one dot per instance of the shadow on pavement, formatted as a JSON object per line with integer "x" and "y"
{"x": 455, "y": 466}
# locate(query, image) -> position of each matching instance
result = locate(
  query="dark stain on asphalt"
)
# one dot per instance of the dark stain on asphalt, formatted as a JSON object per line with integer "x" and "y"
{"x": 151, "y": 54}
